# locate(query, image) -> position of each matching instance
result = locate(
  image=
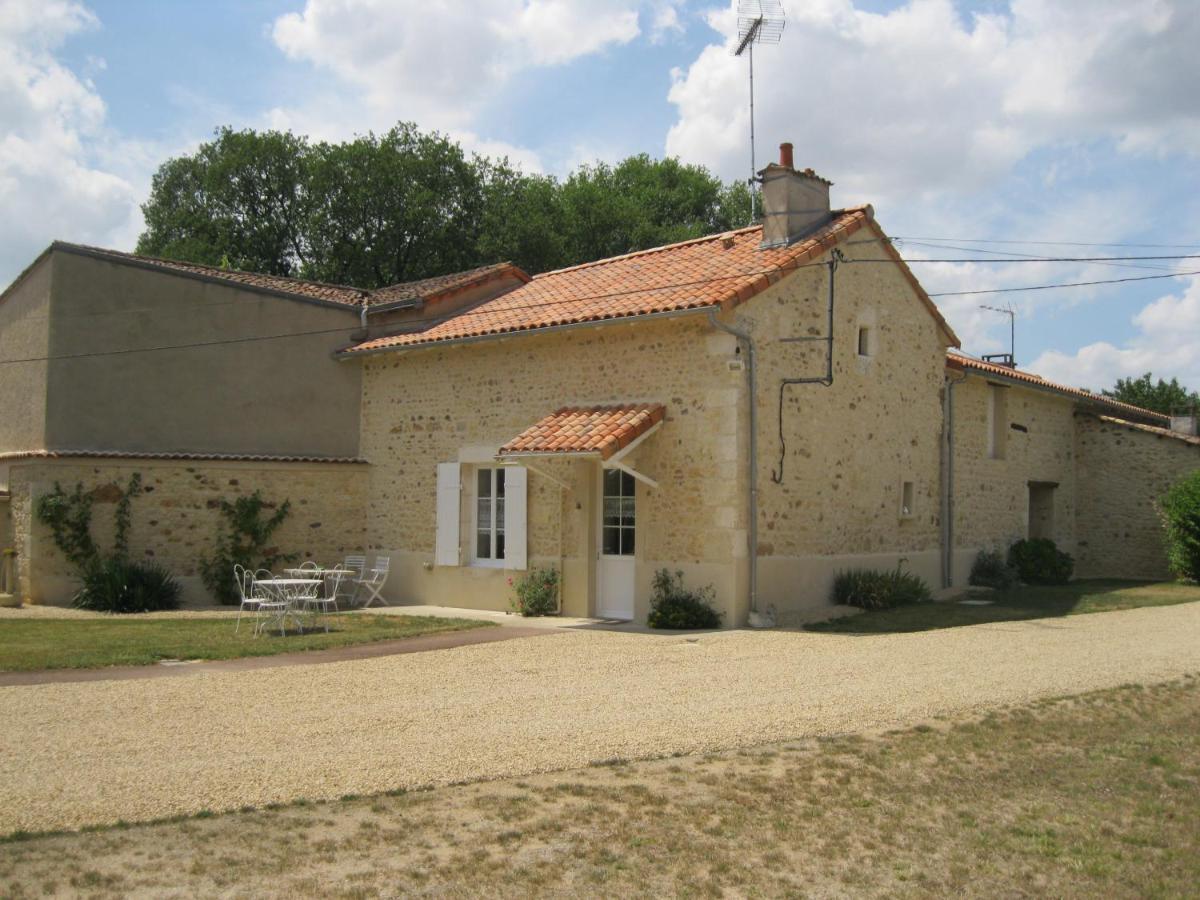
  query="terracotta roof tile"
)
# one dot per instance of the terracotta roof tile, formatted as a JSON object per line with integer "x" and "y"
{"x": 427, "y": 288}
{"x": 586, "y": 429}
{"x": 297, "y": 287}
{"x": 1153, "y": 429}
{"x": 720, "y": 270}
{"x": 171, "y": 455}
{"x": 960, "y": 361}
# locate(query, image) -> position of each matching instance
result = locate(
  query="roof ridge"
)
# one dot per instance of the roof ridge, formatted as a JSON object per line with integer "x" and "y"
{"x": 217, "y": 271}
{"x": 1021, "y": 374}
{"x": 834, "y": 213}
{"x": 649, "y": 250}
{"x": 471, "y": 271}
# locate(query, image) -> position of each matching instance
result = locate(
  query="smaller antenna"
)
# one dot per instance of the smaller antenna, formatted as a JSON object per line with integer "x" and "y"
{"x": 759, "y": 22}
{"x": 1006, "y": 359}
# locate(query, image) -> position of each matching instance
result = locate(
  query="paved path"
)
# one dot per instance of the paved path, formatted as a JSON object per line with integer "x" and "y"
{"x": 73, "y": 754}
{"x": 444, "y": 641}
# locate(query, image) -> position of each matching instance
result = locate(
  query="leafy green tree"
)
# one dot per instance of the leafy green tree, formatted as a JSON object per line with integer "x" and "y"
{"x": 1160, "y": 396}
{"x": 397, "y": 207}
{"x": 240, "y": 201}
{"x": 407, "y": 204}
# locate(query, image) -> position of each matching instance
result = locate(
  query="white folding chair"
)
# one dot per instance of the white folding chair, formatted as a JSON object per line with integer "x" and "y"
{"x": 244, "y": 581}
{"x": 348, "y": 586}
{"x": 273, "y": 606}
{"x": 375, "y": 581}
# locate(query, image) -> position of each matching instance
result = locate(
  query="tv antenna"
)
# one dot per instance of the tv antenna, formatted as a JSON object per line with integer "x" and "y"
{"x": 759, "y": 22}
{"x": 1009, "y": 359}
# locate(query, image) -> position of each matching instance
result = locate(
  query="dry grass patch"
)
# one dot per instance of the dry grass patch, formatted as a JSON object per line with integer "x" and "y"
{"x": 1097, "y": 794}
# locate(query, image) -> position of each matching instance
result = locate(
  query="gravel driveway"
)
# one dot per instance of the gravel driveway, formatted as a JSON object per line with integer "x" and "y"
{"x": 73, "y": 754}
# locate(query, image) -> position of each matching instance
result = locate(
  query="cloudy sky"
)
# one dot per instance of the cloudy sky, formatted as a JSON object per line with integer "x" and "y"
{"x": 1023, "y": 127}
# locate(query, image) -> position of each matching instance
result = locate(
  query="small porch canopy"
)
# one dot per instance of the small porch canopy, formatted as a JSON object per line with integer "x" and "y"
{"x": 605, "y": 433}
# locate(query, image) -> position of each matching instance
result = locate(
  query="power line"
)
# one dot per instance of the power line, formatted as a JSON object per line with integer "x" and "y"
{"x": 1043, "y": 259}
{"x": 1049, "y": 243}
{"x": 1115, "y": 265}
{"x": 1047, "y": 287}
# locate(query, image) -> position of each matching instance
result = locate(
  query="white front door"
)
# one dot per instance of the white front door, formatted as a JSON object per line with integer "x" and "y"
{"x": 615, "y": 569}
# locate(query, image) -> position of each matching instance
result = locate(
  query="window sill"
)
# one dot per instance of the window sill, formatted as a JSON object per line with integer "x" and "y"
{"x": 486, "y": 564}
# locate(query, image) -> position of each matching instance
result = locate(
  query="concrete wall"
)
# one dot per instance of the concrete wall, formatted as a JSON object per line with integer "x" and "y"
{"x": 850, "y": 446}
{"x": 274, "y": 397}
{"x": 441, "y": 405}
{"x": 175, "y": 521}
{"x": 1123, "y": 471}
{"x": 25, "y": 334}
{"x": 991, "y": 496}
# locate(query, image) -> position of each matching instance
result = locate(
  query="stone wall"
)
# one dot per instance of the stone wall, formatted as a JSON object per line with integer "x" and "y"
{"x": 1123, "y": 470}
{"x": 175, "y": 520}
{"x": 991, "y": 496}
{"x": 429, "y": 406}
{"x": 850, "y": 446}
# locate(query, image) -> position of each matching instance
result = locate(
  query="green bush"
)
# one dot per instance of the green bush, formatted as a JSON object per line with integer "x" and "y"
{"x": 537, "y": 592}
{"x": 1039, "y": 561}
{"x": 990, "y": 570}
{"x": 1180, "y": 509}
{"x": 674, "y": 606}
{"x": 243, "y": 538}
{"x": 110, "y": 582}
{"x": 117, "y": 585}
{"x": 871, "y": 589}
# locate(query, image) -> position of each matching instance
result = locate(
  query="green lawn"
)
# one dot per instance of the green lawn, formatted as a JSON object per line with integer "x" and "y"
{"x": 1020, "y": 603}
{"x": 31, "y": 644}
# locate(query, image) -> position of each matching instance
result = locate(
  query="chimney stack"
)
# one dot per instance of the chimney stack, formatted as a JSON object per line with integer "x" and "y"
{"x": 794, "y": 203}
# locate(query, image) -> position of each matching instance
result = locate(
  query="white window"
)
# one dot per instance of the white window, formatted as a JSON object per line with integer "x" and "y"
{"x": 488, "y": 545}
{"x": 620, "y": 513}
{"x": 864, "y": 341}
{"x": 908, "y": 498}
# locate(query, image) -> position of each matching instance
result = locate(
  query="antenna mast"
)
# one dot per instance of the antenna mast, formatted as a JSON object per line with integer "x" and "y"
{"x": 1008, "y": 359}
{"x": 759, "y": 22}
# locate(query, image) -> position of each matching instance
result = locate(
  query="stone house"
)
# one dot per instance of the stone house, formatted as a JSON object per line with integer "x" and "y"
{"x": 757, "y": 409}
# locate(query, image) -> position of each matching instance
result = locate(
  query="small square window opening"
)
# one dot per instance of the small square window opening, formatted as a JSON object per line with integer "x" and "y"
{"x": 864, "y": 341}
{"x": 907, "y": 499}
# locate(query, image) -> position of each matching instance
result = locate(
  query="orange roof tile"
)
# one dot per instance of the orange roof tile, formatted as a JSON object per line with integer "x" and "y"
{"x": 297, "y": 287}
{"x": 592, "y": 429}
{"x": 428, "y": 288}
{"x": 960, "y": 361}
{"x": 721, "y": 270}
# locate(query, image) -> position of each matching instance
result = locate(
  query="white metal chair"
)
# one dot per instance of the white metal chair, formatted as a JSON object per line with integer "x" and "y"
{"x": 327, "y": 600}
{"x": 348, "y": 586}
{"x": 245, "y": 588}
{"x": 373, "y": 583}
{"x": 273, "y": 606}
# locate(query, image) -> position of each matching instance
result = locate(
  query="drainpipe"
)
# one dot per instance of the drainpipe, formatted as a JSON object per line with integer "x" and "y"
{"x": 948, "y": 484}
{"x": 744, "y": 338}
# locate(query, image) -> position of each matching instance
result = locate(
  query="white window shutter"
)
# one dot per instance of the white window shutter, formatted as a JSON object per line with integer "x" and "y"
{"x": 449, "y": 486}
{"x": 516, "y": 549}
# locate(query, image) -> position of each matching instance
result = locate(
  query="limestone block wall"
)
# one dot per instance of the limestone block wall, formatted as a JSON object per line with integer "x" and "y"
{"x": 175, "y": 520}
{"x": 1123, "y": 470}
{"x": 424, "y": 407}
{"x": 852, "y": 445}
{"x": 991, "y": 496}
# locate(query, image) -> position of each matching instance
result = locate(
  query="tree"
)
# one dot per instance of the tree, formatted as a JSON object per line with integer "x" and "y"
{"x": 395, "y": 208}
{"x": 1161, "y": 396}
{"x": 406, "y": 205}
{"x": 240, "y": 201}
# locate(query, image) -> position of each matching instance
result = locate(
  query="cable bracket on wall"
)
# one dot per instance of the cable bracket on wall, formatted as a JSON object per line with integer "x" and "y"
{"x": 836, "y": 257}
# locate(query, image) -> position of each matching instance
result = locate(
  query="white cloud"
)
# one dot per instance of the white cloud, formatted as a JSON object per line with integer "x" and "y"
{"x": 61, "y": 173}
{"x": 924, "y": 101}
{"x": 1163, "y": 341}
{"x": 437, "y": 64}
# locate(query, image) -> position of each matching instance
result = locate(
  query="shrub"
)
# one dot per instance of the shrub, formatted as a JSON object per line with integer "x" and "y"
{"x": 1180, "y": 510}
{"x": 110, "y": 582}
{"x": 990, "y": 570}
{"x": 117, "y": 585}
{"x": 674, "y": 606}
{"x": 537, "y": 592}
{"x": 243, "y": 538}
{"x": 871, "y": 589}
{"x": 1039, "y": 561}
